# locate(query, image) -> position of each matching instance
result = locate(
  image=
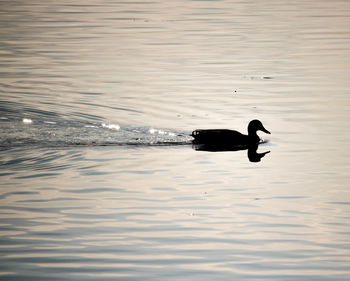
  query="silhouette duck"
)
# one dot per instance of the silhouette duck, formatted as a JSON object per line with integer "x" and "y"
{"x": 224, "y": 137}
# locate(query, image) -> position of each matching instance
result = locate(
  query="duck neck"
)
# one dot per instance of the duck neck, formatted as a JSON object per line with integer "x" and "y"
{"x": 253, "y": 135}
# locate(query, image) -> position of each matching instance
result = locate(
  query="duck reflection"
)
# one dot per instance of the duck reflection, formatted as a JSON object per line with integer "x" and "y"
{"x": 252, "y": 153}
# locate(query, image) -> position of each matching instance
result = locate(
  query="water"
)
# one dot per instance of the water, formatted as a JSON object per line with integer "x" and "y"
{"x": 99, "y": 179}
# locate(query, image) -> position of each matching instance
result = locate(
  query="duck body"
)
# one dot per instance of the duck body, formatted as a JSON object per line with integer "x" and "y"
{"x": 229, "y": 137}
{"x": 222, "y": 136}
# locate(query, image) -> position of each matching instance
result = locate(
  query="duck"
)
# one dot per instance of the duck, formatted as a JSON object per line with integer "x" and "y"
{"x": 230, "y": 137}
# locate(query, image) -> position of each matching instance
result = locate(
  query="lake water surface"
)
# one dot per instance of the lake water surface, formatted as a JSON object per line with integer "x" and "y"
{"x": 99, "y": 179}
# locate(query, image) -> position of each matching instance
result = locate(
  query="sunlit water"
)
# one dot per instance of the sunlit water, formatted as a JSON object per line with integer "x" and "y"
{"x": 99, "y": 180}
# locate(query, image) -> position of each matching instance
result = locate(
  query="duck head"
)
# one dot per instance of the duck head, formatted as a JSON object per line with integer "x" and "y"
{"x": 256, "y": 125}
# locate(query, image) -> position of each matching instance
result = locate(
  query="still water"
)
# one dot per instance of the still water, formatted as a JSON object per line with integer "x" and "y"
{"x": 99, "y": 179}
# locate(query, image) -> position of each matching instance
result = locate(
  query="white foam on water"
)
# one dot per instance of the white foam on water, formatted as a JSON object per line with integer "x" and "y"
{"x": 111, "y": 126}
{"x": 27, "y": 120}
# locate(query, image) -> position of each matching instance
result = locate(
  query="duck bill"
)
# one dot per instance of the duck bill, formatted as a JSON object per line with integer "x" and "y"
{"x": 265, "y": 131}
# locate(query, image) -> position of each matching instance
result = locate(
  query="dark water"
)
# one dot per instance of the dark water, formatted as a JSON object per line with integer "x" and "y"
{"x": 99, "y": 180}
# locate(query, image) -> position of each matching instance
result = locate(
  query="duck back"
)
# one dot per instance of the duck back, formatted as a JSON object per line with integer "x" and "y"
{"x": 219, "y": 136}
